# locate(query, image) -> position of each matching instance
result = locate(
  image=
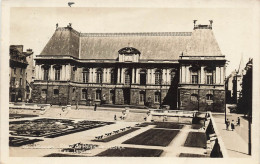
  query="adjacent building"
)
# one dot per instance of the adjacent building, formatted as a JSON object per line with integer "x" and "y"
{"x": 184, "y": 70}
{"x": 18, "y": 73}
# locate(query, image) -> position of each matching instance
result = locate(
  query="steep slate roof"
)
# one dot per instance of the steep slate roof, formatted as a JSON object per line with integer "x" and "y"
{"x": 202, "y": 43}
{"x": 153, "y": 46}
{"x": 156, "y": 46}
{"x": 64, "y": 41}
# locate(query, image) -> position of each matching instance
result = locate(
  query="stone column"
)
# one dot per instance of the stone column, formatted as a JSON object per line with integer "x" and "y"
{"x": 137, "y": 76}
{"x": 118, "y": 75}
{"x": 168, "y": 76}
{"x": 202, "y": 73}
{"x": 94, "y": 75}
{"x": 123, "y": 75}
{"x": 63, "y": 73}
{"x": 37, "y": 72}
{"x": 164, "y": 74}
{"x": 108, "y": 75}
{"x": 51, "y": 73}
{"x": 217, "y": 75}
{"x": 104, "y": 75}
{"x": 153, "y": 76}
{"x": 183, "y": 74}
{"x": 188, "y": 75}
{"x": 40, "y": 73}
{"x": 133, "y": 75}
{"x": 68, "y": 72}
{"x": 221, "y": 75}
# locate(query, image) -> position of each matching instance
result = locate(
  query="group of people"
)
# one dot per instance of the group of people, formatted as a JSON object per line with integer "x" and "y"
{"x": 230, "y": 125}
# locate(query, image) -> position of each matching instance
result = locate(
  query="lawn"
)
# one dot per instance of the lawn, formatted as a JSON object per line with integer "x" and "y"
{"x": 153, "y": 137}
{"x": 19, "y": 141}
{"x": 51, "y": 128}
{"x": 196, "y": 139}
{"x": 131, "y": 152}
{"x": 168, "y": 125}
{"x": 193, "y": 155}
{"x": 62, "y": 155}
{"x": 115, "y": 136}
{"x": 15, "y": 116}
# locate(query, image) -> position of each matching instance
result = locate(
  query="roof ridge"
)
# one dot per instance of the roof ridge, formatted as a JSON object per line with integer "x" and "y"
{"x": 137, "y": 34}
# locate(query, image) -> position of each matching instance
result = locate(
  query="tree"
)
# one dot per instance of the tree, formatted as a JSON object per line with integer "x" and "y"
{"x": 245, "y": 102}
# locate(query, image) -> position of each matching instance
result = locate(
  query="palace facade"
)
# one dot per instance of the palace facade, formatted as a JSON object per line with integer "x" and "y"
{"x": 184, "y": 70}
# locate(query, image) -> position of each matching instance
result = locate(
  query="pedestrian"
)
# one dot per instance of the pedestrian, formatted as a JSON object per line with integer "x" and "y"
{"x": 95, "y": 107}
{"x": 115, "y": 117}
{"x": 227, "y": 124}
{"x": 238, "y": 121}
{"x": 232, "y": 125}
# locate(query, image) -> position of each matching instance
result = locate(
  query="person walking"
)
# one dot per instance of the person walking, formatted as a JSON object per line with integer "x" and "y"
{"x": 115, "y": 117}
{"x": 227, "y": 124}
{"x": 232, "y": 125}
{"x": 95, "y": 107}
{"x": 238, "y": 121}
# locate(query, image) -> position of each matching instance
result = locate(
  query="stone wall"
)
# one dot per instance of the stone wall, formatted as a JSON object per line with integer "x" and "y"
{"x": 216, "y": 105}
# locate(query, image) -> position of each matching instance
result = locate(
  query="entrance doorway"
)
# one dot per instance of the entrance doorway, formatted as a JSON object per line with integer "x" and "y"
{"x": 126, "y": 92}
{"x": 112, "y": 96}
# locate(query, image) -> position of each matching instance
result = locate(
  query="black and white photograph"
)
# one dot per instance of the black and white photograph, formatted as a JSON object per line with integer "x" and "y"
{"x": 90, "y": 79}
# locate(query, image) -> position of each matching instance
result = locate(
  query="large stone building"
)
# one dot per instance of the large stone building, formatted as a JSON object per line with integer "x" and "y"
{"x": 18, "y": 90}
{"x": 184, "y": 70}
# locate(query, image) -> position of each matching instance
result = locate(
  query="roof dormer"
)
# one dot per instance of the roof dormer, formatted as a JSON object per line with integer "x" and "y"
{"x": 129, "y": 54}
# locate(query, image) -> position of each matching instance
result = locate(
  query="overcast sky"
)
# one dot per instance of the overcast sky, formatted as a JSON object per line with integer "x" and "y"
{"x": 234, "y": 28}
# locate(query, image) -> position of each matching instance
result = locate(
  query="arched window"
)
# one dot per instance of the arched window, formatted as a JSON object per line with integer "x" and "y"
{"x": 84, "y": 94}
{"x": 194, "y": 97}
{"x": 99, "y": 75}
{"x": 157, "y": 97}
{"x": 128, "y": 79}
{"x": 85, "y": 74}
{"x": 209, "y": 97}
{"x": 143, "y": 77}
{"x": 158, "y": 77}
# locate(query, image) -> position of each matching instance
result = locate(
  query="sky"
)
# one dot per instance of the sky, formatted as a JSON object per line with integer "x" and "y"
{"x": 234, "y": 28}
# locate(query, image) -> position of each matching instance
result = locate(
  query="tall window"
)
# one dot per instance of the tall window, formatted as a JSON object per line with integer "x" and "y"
{"x": 99, "y": 75}
{"x": 14, "y": 70}
{"x": 57, "y": 73}
{"x": 113, "y": 77}
{"x": 85, "y": 74}
{"x": 45, "y": 74}
{"x": 21, "y": 71}
{"x": 173, "y": 73}
{"x": 143, "y": 77}
{"x": 194, "y": 77}
{"x": 157, "y": 97}
{"x": 158, "y": 77}
{"x": 84, "y": 94}
{"x": 209, "y": 77}
{"x": 128, "y": 77}
{"x": 98, "y": 94}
